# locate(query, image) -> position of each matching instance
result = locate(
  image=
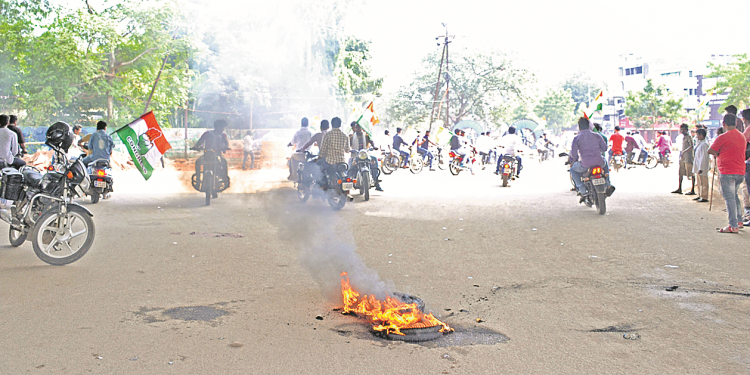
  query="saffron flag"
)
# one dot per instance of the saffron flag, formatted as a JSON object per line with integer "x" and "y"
{"x": 601, "y": 93}
{"x": 368, "y": 119}
{"x": 145, "y": 143}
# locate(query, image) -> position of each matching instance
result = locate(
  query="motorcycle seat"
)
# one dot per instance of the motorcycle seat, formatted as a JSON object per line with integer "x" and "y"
{"x": 340, "y": 168}
{"x": 32, "y": 177}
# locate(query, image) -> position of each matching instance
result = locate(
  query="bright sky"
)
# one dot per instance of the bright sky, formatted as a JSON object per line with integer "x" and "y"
{"x": 553, "y": 38}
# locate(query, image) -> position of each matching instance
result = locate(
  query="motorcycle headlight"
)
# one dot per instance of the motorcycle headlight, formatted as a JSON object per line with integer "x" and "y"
{"x": 363, "y": 155}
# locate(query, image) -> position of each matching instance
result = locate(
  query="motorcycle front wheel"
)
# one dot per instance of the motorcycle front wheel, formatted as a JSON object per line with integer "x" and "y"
{"x": 69, "y": 242}
{"x": 651, "y": 162}
{"x": 208, "y": 179}
{"x": 17, "y": 237}
{"x": 365, "y": 190}
{"x": 416, "y": 165}
{"x": 387, "y": 168}
{"x": 441, "y": 163}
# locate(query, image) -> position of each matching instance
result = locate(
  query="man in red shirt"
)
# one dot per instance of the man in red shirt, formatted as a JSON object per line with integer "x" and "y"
{"x": 729, "y": 150}
{"x": 617, "y": 139}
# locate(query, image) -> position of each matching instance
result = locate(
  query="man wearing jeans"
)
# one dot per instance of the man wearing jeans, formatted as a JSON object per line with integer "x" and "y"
{"x": 729, "y": 150}
{"x": 586, "y": 152}
{"x": 746, "y": 119}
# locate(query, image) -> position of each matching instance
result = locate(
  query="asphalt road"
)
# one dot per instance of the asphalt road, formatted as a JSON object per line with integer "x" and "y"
{"x": 249, "y": 284}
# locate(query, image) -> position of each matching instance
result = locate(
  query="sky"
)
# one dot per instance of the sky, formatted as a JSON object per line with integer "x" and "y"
{"x": 552, "y": 38}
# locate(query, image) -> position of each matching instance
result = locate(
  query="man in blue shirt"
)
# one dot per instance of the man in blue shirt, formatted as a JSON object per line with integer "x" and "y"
{"x": 586, "y": 152}
{"x": 100, "y": 144}
{"x": 397, "y": 142}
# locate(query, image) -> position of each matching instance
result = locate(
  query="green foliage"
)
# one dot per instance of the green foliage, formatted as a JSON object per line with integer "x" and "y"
{"x": 557, "y": 107}
{"x": 77, "y": 65}
{"x": 353, "y": 73}
{"x": 645, "y": 106}
{"x": 734, "y": 78}
{"x": 582, "y": 89}
{"x": 481, "y": 86}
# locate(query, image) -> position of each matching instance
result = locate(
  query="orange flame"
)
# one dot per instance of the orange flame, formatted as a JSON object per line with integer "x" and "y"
{"x": 390, "y": 315}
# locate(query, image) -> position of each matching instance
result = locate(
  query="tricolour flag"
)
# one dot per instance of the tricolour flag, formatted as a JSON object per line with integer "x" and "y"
{"x": 368, "y": 119}
{"x": 145, "y": 142}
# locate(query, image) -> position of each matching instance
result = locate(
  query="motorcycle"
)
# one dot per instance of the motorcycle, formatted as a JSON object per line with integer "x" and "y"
{"x": 61, "y": 231}
{"x": 360, "y": 170}
{"x": 509, "y": 167}
{"x": 654, "y": 158}
{"x": 617, "y": 162}
{"x": 100, "y": 175}
{"x": 333, "y": 185}
{"x": 391, "y": 161}
{"x": 596, "y": 189}
{"x": 456, "y": 164}
{"x": 209, "y": 178}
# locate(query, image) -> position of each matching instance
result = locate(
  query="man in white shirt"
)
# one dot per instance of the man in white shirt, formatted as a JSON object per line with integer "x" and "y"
{"x": 9, "y": 144}
{"x": 641, "y": 146}
{"x": 484, "y": 146}
{"x": 301, "y": 137}
{"x": 247, "y": 148}
{"x": 509, "y": 144}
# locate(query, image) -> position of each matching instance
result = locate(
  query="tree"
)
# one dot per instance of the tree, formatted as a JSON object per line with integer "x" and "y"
{"x": 481, "y": 85}
{"x": 582, "y": 89}
{"x": 557, "y": 107}
{"x": 645, "y": 106}
{"x": 734, "y": 78}
{"x": 353, "y": 73}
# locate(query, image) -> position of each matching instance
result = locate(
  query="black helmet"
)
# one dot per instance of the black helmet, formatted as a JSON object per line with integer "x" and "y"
{"x": 59, "y": 135}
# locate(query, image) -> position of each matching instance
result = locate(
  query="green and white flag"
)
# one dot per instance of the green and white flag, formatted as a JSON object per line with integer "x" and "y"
{"x": 145, "y": 142}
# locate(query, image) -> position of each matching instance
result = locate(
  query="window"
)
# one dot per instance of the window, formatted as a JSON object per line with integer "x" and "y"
{"x": 639, "y": 70}
{"x": 690, "y": 73}
{"x": 672, "y": 74}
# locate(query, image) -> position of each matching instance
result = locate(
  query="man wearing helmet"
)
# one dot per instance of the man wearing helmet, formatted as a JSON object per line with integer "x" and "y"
{"x": 100, "y": 144}
{"x": 9, "y": 145}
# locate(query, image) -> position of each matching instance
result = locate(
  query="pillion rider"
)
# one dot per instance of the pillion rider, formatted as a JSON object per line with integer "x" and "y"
{"x": 587, "y": 151}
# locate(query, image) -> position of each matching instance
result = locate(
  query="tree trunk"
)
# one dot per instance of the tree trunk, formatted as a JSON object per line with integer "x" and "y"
{"x": 110, "y": 95}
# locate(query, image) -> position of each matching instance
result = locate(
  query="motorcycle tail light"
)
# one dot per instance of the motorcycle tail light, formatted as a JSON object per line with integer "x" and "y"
{"x": 100, "y": 173}
{"x": 596, "y": 170}
{"x": 51, "y": 168}
{"x": 348, "y": 180}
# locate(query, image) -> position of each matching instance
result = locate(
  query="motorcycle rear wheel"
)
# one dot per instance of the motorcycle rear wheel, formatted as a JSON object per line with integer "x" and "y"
{"x": 17, "y": 237}
{"x": 454, "y": 168}
{"x": 303, "y": 193}
{"x": 601, "y": 203}
{"x": 95, "y": 197}
{"x": 666, "y": 162}
{"x": 47, "y": 241}
{"x": 505, "y": 180}
{"x": 337, "y": 200}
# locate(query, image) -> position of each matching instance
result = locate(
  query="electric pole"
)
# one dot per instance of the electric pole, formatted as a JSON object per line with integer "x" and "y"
{"x": 444, "y": 58}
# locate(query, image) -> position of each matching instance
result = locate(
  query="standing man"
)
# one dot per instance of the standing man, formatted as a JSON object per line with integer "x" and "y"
{"x": 247, "y": 149}
{"x": 13, "y": 125}
{"x": 300, "y": 138}
{"x": 729, "y": 150}
{"x": 700, "y": 166}
{"x": 9, "y": 145}
{"x": 746, "y": 119}
{"x": 686, "y": 160}
{"x": 397, "y": 142}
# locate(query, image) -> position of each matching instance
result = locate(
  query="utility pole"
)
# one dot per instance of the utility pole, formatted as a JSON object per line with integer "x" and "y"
{"x": 443, "y": 58}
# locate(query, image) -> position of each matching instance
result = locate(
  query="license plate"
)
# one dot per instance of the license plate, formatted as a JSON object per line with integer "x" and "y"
{"x": 599, "y": 181}
{"x": 506, "y": 170}
{"x": 100, "y": 184}
{"x": 347, "y": 186}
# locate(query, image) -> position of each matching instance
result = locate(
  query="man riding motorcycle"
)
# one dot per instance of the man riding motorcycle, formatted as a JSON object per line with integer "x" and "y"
{"x": 359, "y": 140}
{"x": 333, "y": 147}
{"x": 509, "y": 143}
{"x": 587, "y": 151}
{"x": 100, "y": 144}
{"x": 216, "y": 141}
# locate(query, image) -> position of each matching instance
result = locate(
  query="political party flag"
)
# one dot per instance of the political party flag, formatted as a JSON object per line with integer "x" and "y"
{"x": 601, "y": 93}
{"x": 368, "y": 119}
{"x": 145, "y": 143}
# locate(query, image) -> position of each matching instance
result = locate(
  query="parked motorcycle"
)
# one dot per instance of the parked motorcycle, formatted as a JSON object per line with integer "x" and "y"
{"x": 209, "y": 177}
{"x": 100, "y": 175}
{"x": 332, "y": 185}
{"x": 61, "y": 231}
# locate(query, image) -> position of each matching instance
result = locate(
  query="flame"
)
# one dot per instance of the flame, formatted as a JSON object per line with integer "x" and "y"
{"x": 390, "y": 315}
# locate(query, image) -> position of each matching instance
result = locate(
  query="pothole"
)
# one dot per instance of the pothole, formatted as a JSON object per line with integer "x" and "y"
{"x": 195, "y": 313}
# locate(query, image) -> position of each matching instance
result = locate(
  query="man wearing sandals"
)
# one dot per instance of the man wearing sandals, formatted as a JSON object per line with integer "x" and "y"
{"x": 729, "y": 150}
